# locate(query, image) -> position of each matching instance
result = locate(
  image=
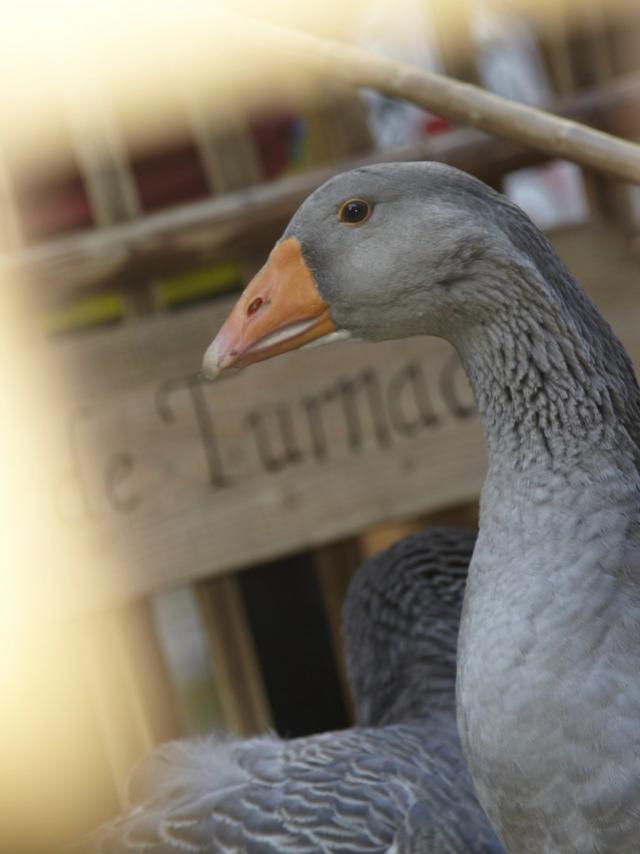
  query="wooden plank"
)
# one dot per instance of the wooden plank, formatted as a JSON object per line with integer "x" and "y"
{"x": 624, "y": 28}
{"x": 556, "y": 39}
{"x": 335, "y": 565}
{"x": 185, "y": 479}
{"x": 123, "y": 663}
{"x": 226, "y": 147}
{"x": 177, "y": 479}
{"x": 251, "y": 219}
{"x": 233, "y": 662}
{"x": 594, "y": 19}
{"x": 101, "y": 157}
{"x": 454, "y": 39}
{"x": 616, "y": 198}
{"x": 233, "y": 657}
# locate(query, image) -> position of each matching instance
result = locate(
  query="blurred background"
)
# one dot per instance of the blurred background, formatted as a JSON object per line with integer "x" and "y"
{"x": 175, "y": 554}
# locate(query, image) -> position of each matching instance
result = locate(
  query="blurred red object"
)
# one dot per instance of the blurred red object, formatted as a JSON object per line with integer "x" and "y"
{"x": 435, "y": 124}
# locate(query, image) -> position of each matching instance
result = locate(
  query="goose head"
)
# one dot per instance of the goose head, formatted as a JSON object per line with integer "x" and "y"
{"x": 386, "y": 251}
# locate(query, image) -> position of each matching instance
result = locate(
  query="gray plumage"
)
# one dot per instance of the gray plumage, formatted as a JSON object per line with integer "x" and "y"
{"x": 396, "y": 782}
{"x": 400, "y": 624}
{"x": 549, "y": 655}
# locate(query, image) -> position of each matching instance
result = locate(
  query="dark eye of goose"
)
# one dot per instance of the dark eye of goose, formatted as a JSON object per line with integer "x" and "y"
{"x": 354, "y": 211}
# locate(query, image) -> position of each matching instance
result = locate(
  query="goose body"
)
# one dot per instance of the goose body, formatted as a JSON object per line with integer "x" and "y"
{"x": 395, "y": 782}
{"x": 548, "y": 695}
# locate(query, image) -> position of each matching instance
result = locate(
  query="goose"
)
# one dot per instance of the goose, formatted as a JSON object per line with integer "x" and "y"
{"x": 396, "y": 781}
{"x": 548, "y": 695}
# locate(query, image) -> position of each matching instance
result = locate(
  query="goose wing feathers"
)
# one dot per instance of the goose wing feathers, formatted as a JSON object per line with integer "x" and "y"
{"x": 361, "y": 789}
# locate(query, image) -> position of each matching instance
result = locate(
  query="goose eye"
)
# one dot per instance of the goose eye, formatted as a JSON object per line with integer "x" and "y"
{"x": 354, "y": 211}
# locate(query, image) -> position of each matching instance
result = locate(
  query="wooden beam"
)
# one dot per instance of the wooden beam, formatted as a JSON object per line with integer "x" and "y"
{"x": 129, "y": 254}
{"x": 123, "y": 663}
{"x": 457, "y": 101}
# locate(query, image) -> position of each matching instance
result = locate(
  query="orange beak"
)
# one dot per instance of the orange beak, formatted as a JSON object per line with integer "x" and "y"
{"x": 279, "y": 310}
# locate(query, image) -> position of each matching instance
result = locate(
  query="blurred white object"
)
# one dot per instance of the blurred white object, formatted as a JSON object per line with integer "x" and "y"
{"x": 552, "y": 194}
{"x": 509, "y": 64}
{"x": 397, "y": 31}
{"x": 508, "y": 60}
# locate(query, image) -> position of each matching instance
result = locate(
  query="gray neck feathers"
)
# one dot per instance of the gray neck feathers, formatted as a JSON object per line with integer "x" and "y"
{"x": 550, "y": 378}
{"x": 400, "y": 625}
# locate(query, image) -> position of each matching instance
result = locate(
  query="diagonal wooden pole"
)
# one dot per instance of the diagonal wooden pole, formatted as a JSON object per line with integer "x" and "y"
{"x": 460, "y": 102}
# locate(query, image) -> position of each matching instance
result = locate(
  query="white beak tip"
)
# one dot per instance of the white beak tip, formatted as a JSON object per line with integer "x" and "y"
{"x": 211, "y": 363}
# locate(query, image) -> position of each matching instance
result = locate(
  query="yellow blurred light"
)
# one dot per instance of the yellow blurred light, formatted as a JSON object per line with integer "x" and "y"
{"x": 138, "y": 55}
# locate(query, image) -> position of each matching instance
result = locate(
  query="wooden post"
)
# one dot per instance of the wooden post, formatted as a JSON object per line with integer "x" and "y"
{"x": 335, "y": 565}
{"x": 556, "y": 48}
{"x": 233, "y": 657}
{"x": 226, "y": 148}
{"x": 233, "y": 660}
{"x": 452, "y": 25}
{"x": 101, "y": 158}
{"x": 124, "y": 666}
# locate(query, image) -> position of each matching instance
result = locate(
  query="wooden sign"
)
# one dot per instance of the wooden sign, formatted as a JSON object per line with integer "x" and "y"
{"x": 175, "y": 478}
{"x": 180, "y": 478}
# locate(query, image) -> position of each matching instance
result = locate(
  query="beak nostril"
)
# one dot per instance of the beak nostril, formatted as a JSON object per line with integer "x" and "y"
{"x": 254, "y": 305}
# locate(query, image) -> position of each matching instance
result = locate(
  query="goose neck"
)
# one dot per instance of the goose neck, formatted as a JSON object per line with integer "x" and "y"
{"x": 551, "y": 381}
